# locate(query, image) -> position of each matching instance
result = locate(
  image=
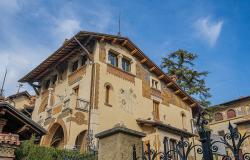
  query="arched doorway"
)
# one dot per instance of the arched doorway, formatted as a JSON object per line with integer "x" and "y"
{"x": 57, "y": 135}
{"x": 57, "y": 140}
{"x": 81, "y": 141}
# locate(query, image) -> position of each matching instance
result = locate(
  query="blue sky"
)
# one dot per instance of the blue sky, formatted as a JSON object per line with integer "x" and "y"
{"x": 218, "y": 31}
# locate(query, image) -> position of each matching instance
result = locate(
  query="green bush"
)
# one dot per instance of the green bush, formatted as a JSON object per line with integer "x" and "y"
{"x": 30, "y": 151}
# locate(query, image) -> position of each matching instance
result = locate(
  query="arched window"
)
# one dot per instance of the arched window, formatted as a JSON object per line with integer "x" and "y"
{"x": 218, "y": 116}
{"x": 108, "y": 88}
{"x": 231, "y": 113}
{"x": 81, "y": 141}
{"x": 107, "y": 96}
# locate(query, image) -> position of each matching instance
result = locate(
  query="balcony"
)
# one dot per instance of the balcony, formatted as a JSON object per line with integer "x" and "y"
{"x": 155, "y": 92}
{"x": 76, "y": 75}
{"x": 82, "y": 105}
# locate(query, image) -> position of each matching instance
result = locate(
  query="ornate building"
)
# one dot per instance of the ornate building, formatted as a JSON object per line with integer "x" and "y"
{"x": 237, "y": 112}
{"x": 95, "y": 81}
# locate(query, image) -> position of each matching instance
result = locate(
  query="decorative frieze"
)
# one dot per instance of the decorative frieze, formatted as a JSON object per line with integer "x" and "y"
{"x": 65, "y": 112}
{"x": 57, "y": 109}
{"x": 77, "y": 75}
{"x": 165, "y": 98}
{"x": 120, "y": 73}
{"x": 155, "y": 92}
{"x": 79, "y": 118}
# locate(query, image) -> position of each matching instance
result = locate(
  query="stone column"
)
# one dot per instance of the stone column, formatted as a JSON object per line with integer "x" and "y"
{"x": 49, "y": 109}
{"x": 119, "y": 61}
{"x": 117, "y": 143}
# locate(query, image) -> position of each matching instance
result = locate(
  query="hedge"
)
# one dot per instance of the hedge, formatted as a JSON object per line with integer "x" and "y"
{"x": 30, "y": 151}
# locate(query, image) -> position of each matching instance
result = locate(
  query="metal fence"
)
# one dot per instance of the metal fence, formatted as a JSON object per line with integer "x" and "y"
{"x": 207, "y": 147}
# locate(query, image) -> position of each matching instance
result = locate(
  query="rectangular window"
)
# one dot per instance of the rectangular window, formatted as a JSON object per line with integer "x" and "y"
{"x": 155, "y": 84}
{"x": 113, "y": 60}
{"x": 125, "y": 65}
{"x": 156, "y": 110}
{"x": 54, "y": 79}
{"x": 74, "y": 66}
{"x": 84, "y": 60}
{"x": 47, "y": 84}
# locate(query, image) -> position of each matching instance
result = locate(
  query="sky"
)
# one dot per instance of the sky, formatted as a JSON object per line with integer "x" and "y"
{"x": 217, "y": 31}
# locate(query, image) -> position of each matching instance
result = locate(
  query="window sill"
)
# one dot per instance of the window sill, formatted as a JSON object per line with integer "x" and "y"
{"x": 109, "y": 105}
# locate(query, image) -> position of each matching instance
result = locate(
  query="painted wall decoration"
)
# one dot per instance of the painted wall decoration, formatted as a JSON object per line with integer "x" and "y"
{"x": 127, "y": 100}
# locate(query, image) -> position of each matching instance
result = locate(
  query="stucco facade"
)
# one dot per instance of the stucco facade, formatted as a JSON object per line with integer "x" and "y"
{"x": 87, "y": 92}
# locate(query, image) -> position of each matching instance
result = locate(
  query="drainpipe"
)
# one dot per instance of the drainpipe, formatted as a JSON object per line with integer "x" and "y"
{"x": 192, "y": 128}
{"x": 91, "y": 102}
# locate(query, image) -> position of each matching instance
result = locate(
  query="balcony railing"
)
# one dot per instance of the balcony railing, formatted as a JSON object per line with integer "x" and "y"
{"x": 82, "y": 105}
{"x": 66, "y": 104}
{"x": 76, "y": 75}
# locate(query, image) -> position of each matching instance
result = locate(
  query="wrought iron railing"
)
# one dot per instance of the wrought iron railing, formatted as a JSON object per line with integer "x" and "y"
{"x": 82, "y": 105}
{"x": 207, "y": 147}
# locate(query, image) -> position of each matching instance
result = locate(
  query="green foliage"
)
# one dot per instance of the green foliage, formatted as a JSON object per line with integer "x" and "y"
{"x": 181, "y": 64}
{"x": 30, "y": 151}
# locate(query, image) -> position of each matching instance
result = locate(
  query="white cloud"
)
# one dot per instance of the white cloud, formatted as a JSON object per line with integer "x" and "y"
{"x": 66, "y": 28}
{"x": 208, "y": 30}
{"x": 22, "y": 52}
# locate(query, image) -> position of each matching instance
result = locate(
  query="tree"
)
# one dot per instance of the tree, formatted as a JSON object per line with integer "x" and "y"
{"x": 181, "y": 65}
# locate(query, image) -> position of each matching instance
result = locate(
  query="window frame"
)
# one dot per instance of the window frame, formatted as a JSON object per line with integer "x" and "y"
{"x": 115, "y": 56}
{"x": 155, "y": 83}
{"x": 128, "y": 61}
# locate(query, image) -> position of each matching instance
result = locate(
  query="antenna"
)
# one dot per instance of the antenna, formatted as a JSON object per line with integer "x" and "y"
{"x": 20, "y": 85}
{"x": 1, "y": 91}
{"x": 119, "y": 25}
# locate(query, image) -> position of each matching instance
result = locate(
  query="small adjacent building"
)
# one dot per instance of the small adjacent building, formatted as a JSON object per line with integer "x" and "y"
{"x": 237, "y": 112}
{"x": 15, "y": 127}
{"x": 95, "y": 81}
{"x": 23, "y": 102}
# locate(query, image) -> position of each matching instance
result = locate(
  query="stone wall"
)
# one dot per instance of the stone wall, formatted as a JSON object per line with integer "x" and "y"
{"x": 117, "y": 143}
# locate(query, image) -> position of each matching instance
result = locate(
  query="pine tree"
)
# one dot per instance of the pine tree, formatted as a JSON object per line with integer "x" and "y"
{"x": 181, "y": 65}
